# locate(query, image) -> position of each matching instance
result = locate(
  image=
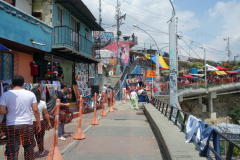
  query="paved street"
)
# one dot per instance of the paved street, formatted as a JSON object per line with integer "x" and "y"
{"x": 123, "y": 134}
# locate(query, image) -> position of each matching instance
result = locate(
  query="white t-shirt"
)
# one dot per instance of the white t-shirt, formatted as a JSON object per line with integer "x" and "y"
{"x": 19, "y": 104}
{"x": 133, "y": 94}
{"x": 104, "y": 89}
{"x": 41, "y": 106}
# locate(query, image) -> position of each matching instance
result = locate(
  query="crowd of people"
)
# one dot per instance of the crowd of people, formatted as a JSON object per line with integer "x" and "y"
{"x": 27, "y": 117}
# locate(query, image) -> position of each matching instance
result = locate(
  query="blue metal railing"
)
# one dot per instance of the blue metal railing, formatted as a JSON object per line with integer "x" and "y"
{"x": 164, "y": 109}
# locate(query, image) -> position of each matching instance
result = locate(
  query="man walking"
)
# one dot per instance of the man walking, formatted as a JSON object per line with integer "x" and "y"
{"x": 17, "y": 104}
{"x": 64, "y": 103}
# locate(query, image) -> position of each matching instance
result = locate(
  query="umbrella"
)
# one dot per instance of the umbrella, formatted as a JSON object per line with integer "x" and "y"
{"x": 187, "y": 76}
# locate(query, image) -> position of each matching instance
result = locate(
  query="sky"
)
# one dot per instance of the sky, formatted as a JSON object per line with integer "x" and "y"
{"x": 207, "y": 23}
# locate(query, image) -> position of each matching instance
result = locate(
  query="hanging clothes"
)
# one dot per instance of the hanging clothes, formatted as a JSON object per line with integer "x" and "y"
{"x": 192, "y": 126}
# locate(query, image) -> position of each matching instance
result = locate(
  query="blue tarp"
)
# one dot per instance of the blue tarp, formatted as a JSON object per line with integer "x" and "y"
{"x": 2, "y": 47}
{"x": 153, "y": 58}
{"x": 238, "y": 70}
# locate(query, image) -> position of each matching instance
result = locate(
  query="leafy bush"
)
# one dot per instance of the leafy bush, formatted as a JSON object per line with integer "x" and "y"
{"x": 235, "y": 113}
{"x": 236, "y": 152}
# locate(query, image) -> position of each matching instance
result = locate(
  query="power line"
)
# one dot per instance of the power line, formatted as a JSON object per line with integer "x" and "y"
{"x": 190, "y": 47}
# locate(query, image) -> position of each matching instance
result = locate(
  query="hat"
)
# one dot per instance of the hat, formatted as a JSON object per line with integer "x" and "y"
{"x": 133, "y": 89}
{"x": 105, "y": 84}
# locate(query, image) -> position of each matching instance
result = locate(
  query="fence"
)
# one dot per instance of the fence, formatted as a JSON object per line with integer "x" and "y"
{"x": 167, "y": 110}
{"x": 58, "y": 127}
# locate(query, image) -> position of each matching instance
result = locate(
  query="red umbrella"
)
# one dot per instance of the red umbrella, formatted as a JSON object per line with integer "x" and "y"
{"x": 222, "y": 69}
{"x": 187, "y": 76}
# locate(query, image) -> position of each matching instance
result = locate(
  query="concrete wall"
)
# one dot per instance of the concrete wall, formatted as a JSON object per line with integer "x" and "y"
{"x": 24, "y": 67}
{"x": 25, "y": 5}
{"x": 22, "y": 29}
{"x": 45, "y": 8}
{"x": 67, "y": 71}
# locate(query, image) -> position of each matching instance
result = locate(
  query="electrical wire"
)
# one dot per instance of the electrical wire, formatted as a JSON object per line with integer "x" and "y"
{"x": 190, "y": 47}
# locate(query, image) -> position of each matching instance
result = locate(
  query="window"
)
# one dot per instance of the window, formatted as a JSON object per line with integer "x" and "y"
{"x": 37, "y": 15}
{"x": 12, "y": 2}
{"x": 74, "y": 34}
{"x": 6, "y": 65}
{"x": 60, "y": 17}
{"x": 86, "y": 33}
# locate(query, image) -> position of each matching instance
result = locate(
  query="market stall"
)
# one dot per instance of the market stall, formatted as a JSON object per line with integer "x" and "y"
{"x": 222, "y": 69}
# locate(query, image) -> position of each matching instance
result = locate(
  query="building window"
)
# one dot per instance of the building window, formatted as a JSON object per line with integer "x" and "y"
{"x": 6, "y": 65}
{"x": 60, "y": 17}
{"x": 12, "y": 2}
{"x": 86, "y": 33}
{"x": 37, "y": 15}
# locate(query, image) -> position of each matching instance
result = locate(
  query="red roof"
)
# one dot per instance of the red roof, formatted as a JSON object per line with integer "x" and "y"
{"x": 187, "y": 76}
{"x": 232, "y": 72}
{"x": 222, "y": 69}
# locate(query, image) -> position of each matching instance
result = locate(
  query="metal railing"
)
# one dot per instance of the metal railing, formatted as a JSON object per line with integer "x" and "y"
{"x": 65, "y": 36}
{"x": 167, "y": 110}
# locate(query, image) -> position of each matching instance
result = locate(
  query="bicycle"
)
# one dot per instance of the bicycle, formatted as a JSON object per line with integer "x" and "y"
{"x": 88, "y": 104}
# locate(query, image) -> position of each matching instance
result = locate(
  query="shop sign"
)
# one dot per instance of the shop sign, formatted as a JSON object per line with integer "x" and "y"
{"x": 100, "y": 68}
{"x": 48, "y": 57}
{"x": 151, "y": 73}
{"x": 113, "y": 61}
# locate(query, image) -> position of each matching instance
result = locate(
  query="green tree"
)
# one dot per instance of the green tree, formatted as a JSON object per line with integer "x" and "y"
{"x": 235, "y": 113}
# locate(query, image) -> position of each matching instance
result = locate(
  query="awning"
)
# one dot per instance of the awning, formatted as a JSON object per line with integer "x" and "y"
{"x": 231, "y": 72}
{"x": 198, "y": 75}
{"x": 162, "y": 63}
{"x": 187, "y": 76}
{"x": 219, "y": 73}
{"x": 72, "y": 55}
{"x": 2, "y": 47}
{"x": 209, "y": 68}
{"x": 222, "y": 69}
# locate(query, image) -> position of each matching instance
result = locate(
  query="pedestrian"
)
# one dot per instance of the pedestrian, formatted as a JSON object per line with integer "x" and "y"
{"x": 63, "y": 96}
{"x": 133, "y": 37}
{"x": 134, "y": 99}
{"x": 121, "y": 68}
{"x": 17, "y": 104}
{"x": 108, "y": 94}
{"x": 133, "y": 58}
{"x": 104, "y": 88}
{"x": 42, "y": 107}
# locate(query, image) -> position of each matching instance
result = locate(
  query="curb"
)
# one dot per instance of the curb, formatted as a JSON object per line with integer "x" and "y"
{"x": 73, "y": 144}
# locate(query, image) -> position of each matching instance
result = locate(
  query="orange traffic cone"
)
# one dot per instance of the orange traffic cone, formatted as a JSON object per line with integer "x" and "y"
{"x": 103, "y": 114}
{"x": 95, "y": 120}
{"x": 114, "y": 101}
{"x": 55, "y": 153}
{"x": 124, "y": 94}
{"x": 79, "y": 134}
{"x": 111, "y": 104}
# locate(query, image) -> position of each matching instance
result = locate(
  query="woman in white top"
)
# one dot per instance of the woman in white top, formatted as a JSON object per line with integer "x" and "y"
{"x": 134, "y": 99}
{"x": 42, "y": 107}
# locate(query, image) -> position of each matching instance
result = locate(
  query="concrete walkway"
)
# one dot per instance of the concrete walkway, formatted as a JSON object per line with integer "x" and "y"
{"x": 124, "y": 134}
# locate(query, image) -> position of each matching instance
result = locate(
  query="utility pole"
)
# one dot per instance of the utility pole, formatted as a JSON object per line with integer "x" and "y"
{"x": 177, "y": 42}
{"x": 205, "y": 68}
{"x": 118, "y": 33}
{"x": 228, "y": 50}
{"x": 100, "y": 10}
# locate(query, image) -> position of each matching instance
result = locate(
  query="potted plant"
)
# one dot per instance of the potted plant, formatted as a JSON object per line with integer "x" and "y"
{"x": 107, "y": 72}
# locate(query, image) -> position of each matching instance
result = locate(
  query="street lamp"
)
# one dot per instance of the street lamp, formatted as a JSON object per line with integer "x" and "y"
{"x": 157, "y": 59}
{"x": 162, "y": 48}
{"x": 205, "y": 66}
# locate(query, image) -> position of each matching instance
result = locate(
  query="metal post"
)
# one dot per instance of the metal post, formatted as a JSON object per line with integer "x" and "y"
{"x": 100, "y": 10}
{"x": 173, "y": 67}
{"x": 177, "y": 43}
{"x": 118, "y": 35}
{"x": 205, "y": 68}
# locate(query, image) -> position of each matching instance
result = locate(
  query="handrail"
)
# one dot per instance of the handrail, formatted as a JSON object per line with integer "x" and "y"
{"x": 232, "y": 144}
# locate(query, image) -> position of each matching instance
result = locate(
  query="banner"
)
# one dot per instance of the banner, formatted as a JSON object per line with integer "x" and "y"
{"x": 100, "y": 68}
{"x": 113, "y": 61}
{"x": 151, "y": 73}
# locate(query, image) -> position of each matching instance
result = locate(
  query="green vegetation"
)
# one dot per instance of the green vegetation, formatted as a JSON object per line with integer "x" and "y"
{"x": 236, "y": 152}
{"x": 235, "y": 113}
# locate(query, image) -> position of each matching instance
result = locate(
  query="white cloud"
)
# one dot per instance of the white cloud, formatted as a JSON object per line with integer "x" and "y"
{"x": 163, "y": 10}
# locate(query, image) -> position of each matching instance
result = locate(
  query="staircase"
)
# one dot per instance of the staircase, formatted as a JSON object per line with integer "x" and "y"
{"x": 112, "y": 80}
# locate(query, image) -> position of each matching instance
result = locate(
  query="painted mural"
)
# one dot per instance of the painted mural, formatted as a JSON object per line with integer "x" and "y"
{"x": 124, "y": 51}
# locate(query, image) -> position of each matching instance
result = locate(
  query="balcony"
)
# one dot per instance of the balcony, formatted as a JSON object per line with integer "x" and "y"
{"x": 66, "y": 37}
{"x": 23, "y": 31}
